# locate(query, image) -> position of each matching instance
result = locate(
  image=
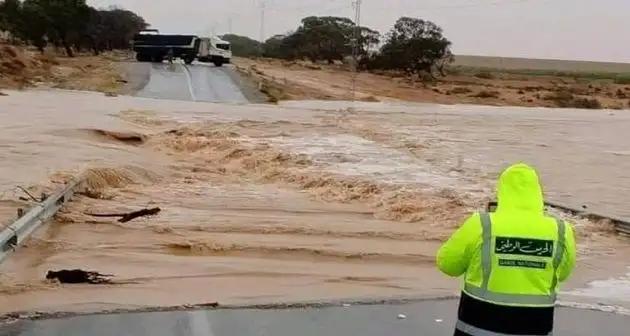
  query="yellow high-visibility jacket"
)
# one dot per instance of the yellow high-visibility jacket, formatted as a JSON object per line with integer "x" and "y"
{"x": 515, "y": 256}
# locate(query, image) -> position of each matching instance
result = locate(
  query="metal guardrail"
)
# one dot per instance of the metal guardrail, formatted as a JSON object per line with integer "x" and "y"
{"x": 16, "y": 233}
{"x": 621, "y": 225}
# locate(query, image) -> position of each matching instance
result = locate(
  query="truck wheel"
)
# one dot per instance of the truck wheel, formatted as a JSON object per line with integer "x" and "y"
{"x": 218, "y": 63}
{"x": 188, "y": 60}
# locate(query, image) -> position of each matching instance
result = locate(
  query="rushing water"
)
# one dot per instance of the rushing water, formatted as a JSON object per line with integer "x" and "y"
{"x": 247, "y": 230}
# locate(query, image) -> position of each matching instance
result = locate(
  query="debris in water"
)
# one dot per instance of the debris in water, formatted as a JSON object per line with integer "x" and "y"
{"x": 346, "y": 305}
{"x": 129, "y": 216}
{"x": 28, "y": 193}
{"x": 402, "y": 316}
{"x": 619, "y": 153}
{"x": 208, "y": 305}
{"x": 438, "y": 320}
{"x": 78, "y": 276}
{"x": 2, "y": 94}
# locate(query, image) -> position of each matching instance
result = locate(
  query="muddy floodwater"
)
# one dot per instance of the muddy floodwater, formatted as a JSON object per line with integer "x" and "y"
{"x": 301, "y": 201}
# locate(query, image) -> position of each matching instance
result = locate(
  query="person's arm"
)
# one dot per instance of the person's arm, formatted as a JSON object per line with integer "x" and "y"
{"x": 454, "y": 256}
{"x": 568, "y": 259}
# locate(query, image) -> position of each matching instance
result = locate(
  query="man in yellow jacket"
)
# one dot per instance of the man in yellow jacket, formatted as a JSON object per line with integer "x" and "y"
{"x": 512, "y": 261}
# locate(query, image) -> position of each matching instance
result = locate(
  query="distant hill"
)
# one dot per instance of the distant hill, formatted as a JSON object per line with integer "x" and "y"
{"x": 515, "y": 63}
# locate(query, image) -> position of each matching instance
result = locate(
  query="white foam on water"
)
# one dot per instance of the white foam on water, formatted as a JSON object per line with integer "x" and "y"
{"x": 597, "y": 307}
{"x": 355, "y": 156}
{"x": 617, "y": 289}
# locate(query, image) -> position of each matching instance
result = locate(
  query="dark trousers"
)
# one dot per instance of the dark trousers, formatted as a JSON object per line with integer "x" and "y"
{"x": 504, "y": 319}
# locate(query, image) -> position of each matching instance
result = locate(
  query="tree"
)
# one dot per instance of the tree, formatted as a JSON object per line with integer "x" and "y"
{"x": 273, "y": 48}
{"x": 64, "y": 18}
{"x": 36, "y": 30}
{"x": 368, "y": 39}
{"x": 69, "y": 23}
{"x": 94, "y": 31}
{"x": 327, "y": 38}
{"x": 243, "y": 46}
{"x": 415, "y": 46}
{"x": 10, "y": 15}
{"x": 282, "y": 46}
{"x": 119, "y": 27}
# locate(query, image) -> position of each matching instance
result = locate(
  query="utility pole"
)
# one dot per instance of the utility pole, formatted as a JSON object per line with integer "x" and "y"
{"x": 356, "y": 45}
{"x": 262, "y": 21}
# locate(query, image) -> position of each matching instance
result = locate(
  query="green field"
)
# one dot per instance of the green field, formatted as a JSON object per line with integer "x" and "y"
{"x": 530, "y": 66}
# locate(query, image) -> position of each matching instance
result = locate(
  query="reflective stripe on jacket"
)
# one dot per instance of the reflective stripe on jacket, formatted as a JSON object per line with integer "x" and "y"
{"x": 516, "y": 256}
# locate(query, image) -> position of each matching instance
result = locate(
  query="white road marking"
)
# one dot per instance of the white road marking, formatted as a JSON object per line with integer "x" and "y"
{"x": 190, "y": 84}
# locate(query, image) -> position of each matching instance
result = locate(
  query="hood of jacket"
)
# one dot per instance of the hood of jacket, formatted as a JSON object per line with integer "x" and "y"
{"x": 519, "y": 190}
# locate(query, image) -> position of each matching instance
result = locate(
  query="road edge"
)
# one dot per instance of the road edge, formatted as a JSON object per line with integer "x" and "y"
{"x": 249, "y": 87}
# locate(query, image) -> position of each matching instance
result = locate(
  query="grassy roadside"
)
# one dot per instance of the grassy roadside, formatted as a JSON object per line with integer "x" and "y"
{"x": 295, "y": 80}
{"x": 21, "y": 68}
{"x": 615, "y": 77}
{"x": 273, "y": 91}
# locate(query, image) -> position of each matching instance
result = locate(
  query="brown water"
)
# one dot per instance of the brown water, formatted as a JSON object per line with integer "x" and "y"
{"x": 267, "y": 204}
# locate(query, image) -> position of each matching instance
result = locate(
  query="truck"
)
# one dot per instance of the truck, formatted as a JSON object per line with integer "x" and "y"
{"x": 151, "y": 46}
{"x": 214, "y": 50}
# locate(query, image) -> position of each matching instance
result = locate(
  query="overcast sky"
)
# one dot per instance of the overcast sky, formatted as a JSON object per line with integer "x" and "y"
{"x": 562, "y": 29}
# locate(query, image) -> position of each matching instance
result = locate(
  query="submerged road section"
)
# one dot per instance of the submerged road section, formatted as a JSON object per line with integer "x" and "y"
{"x": 430, "y": 318}
{"x": 195, "y": 82}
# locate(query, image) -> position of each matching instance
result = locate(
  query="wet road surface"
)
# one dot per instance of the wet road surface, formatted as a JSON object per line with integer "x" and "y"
{"x": 422, "y": 318}
{"x": 196, "y": 82}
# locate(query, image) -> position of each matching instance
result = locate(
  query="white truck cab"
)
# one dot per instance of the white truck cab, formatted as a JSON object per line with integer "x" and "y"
{"x": 214, "y": 50}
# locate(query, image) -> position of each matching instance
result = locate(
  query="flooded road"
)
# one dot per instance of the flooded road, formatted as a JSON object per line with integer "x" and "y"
{"x": 252, "y": 196}
{"x": 195, "y": 82}
{"x": 578, "y": 152}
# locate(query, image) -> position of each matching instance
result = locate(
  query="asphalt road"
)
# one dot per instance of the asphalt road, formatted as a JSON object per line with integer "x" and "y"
{"x": 195, "y": 82}
{"x": 422, "y": 318}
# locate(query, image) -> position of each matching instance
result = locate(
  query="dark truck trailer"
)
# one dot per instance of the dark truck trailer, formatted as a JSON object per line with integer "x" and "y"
{"x": 157, "y": 47}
